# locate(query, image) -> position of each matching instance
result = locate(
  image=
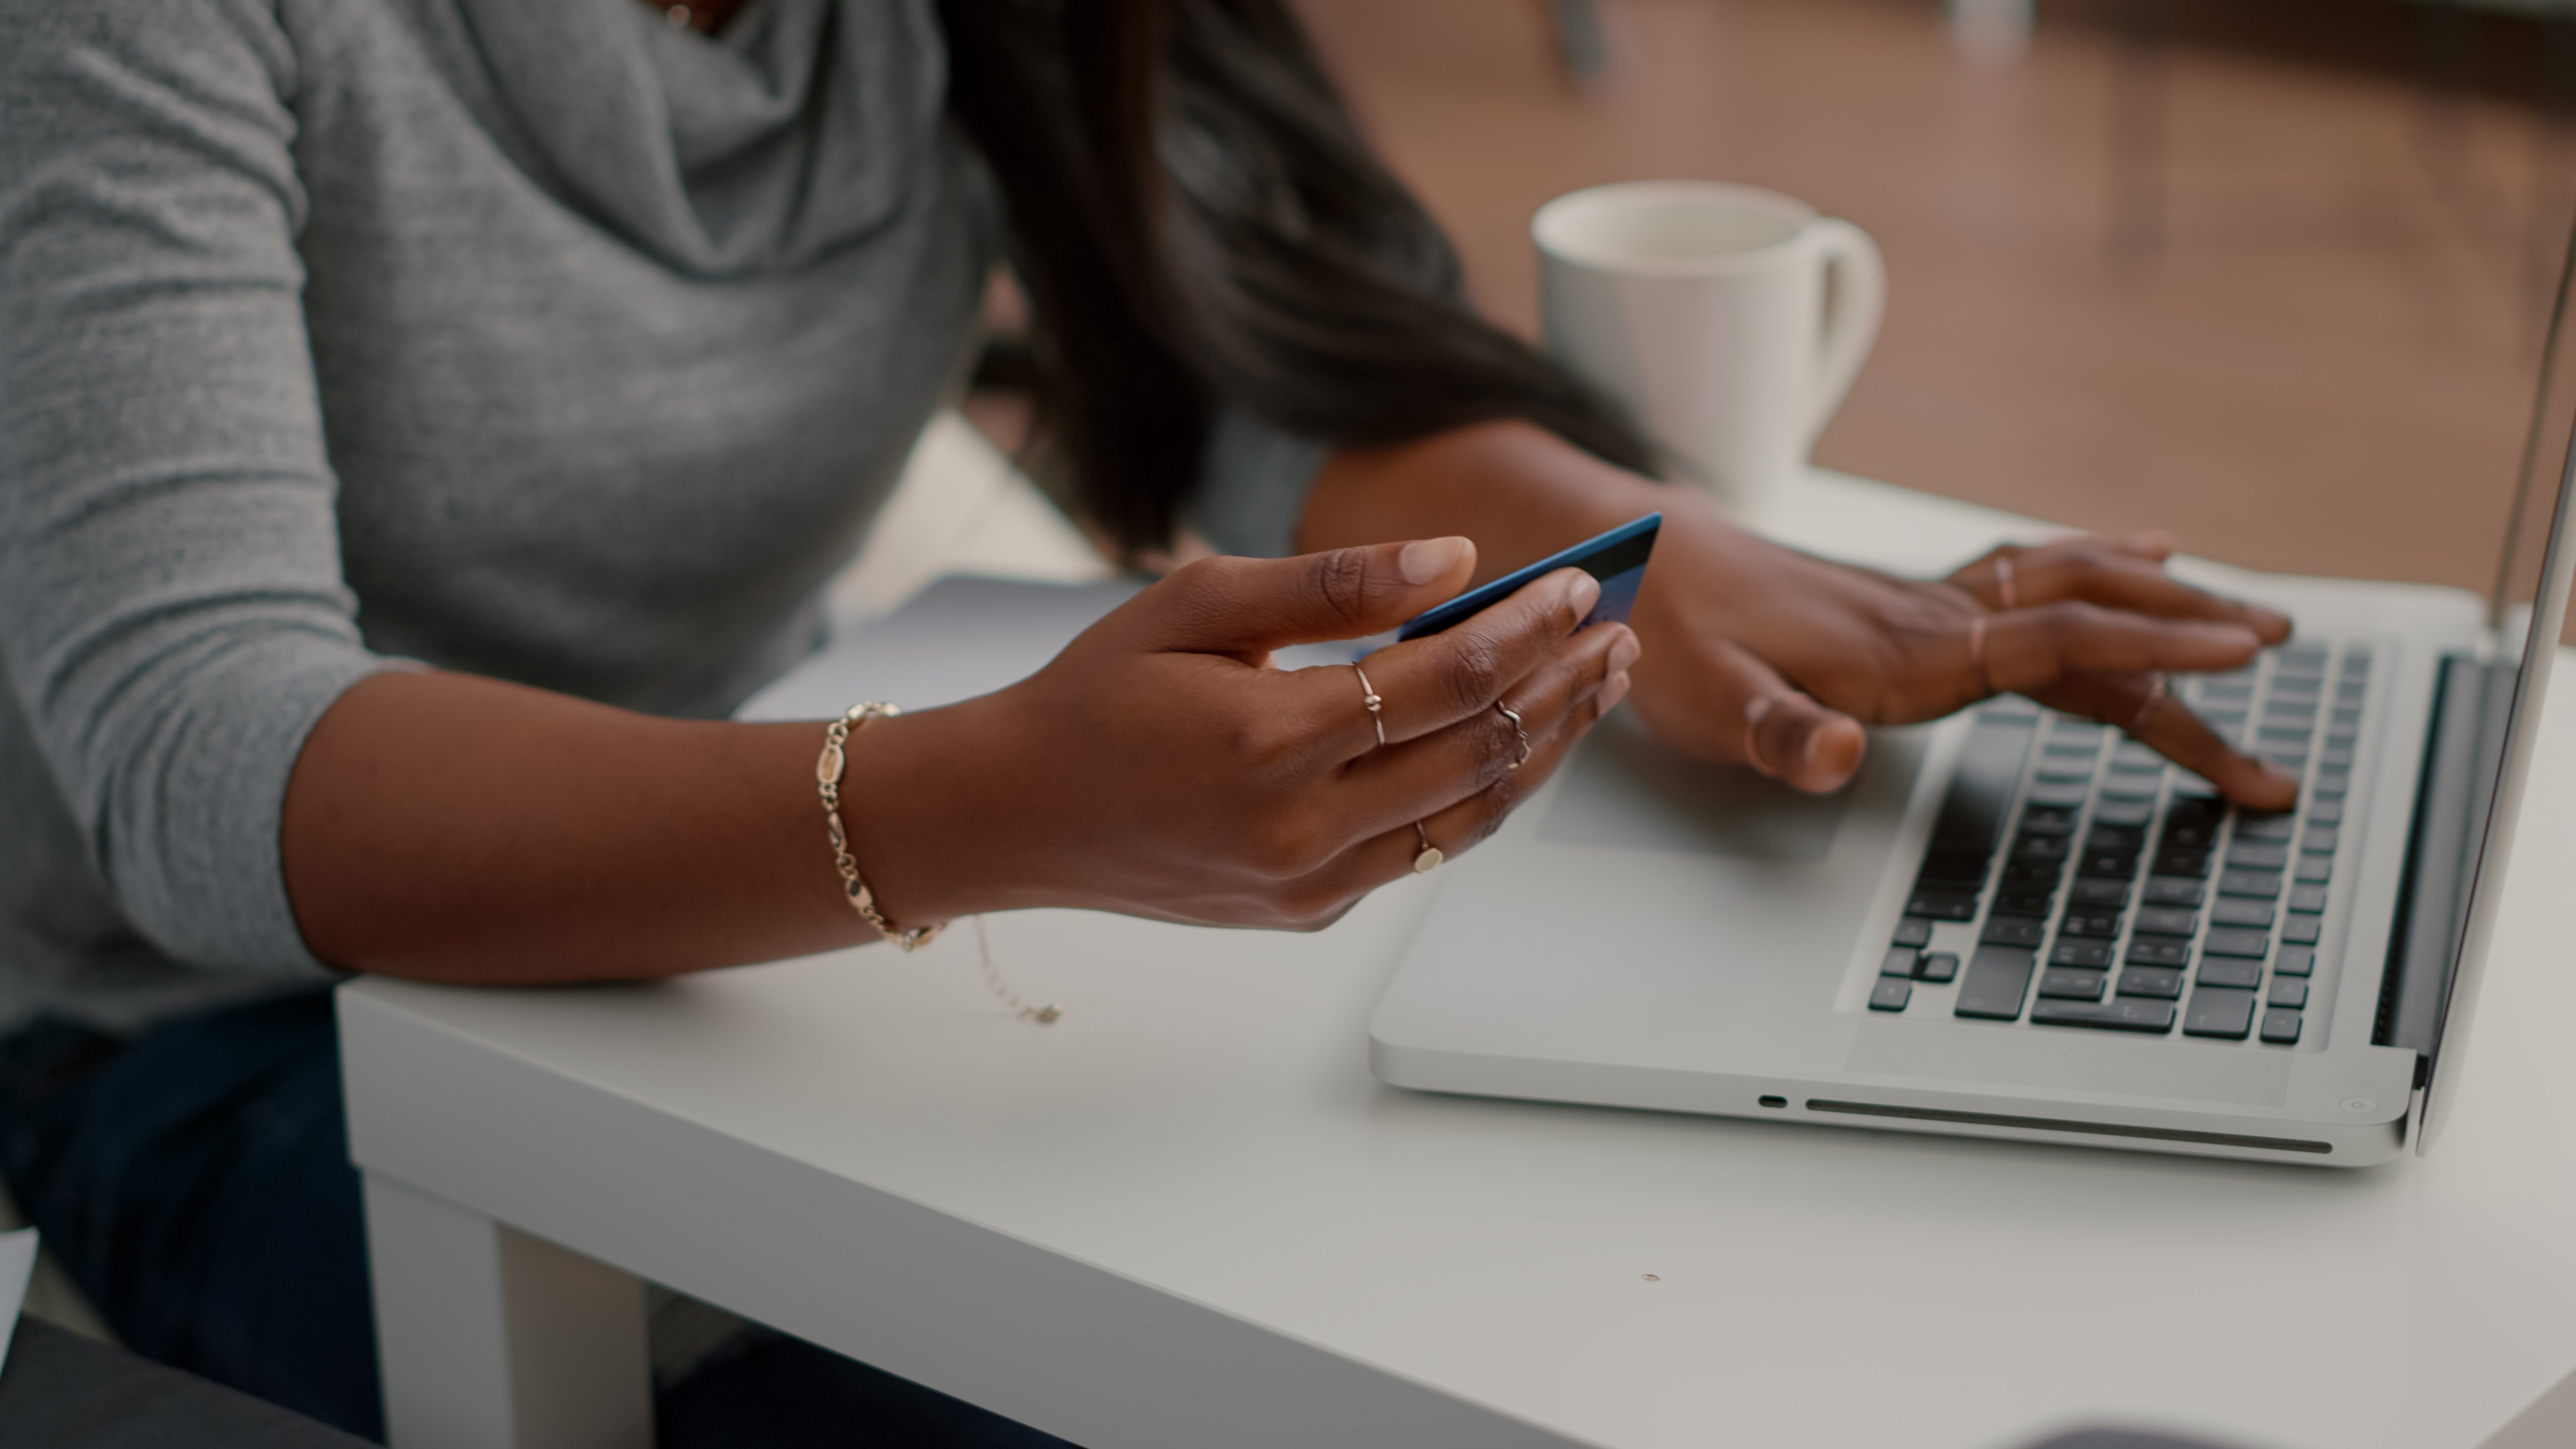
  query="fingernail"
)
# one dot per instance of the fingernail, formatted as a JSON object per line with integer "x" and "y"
{"x": 1582, "y": 592}
{"x": 2269, "y": 621}
{"x": 1613, "y": 690}
{"x": 1624, "y": 652}
{"x": 1431, "y": 559}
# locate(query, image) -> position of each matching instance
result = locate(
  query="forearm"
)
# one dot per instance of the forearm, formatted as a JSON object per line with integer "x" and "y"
{"x": 452, "y": 828}
{"x": 1519, "y": 491}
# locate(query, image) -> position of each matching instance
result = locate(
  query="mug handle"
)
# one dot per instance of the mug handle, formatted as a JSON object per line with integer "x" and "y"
{"x": 1856, "y": 298}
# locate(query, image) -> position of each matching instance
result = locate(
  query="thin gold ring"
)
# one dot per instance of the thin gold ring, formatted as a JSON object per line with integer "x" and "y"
{"x": 1370, "y": 701}
{"x": 2004, "y": 583}
{"x": 1514, "y": 716}
{"x": 1430, "y": 858}
{"x": 1754, "y": 714}
{"x": 2156, "y": 693}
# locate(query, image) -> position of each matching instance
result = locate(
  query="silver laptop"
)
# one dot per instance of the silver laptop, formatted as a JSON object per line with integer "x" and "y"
{"x": 2017, "y": 924}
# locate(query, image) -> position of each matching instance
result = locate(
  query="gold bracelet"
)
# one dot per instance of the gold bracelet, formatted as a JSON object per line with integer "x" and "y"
{"x": 827, "y": 775}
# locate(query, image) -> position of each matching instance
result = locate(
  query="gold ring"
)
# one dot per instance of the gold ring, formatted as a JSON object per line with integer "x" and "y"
{"x": 1430, "y": 858}
{"x": 1369, "y": 701}
{"x": 2156, "y": 693}
{"x": 1514, "y": 716}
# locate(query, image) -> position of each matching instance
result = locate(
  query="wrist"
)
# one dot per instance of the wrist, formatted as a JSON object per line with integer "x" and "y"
{"x": 917, "y": 801}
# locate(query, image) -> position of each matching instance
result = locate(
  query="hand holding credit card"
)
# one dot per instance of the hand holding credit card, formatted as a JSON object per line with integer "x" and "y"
{"x": 1616, "y": 558}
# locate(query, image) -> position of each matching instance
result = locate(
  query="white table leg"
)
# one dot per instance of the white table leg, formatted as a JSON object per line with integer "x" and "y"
{"x": 491, "y": 1339}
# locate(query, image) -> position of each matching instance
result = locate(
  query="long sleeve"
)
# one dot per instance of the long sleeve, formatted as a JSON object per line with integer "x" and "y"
{"x": 173, "y": 616}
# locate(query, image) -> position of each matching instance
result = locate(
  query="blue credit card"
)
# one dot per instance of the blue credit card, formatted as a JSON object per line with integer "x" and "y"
{"x": 1616, "y": 558}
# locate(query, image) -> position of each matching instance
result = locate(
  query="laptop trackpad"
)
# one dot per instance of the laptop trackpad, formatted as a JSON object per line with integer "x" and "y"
{"x": 1632, "y": 791}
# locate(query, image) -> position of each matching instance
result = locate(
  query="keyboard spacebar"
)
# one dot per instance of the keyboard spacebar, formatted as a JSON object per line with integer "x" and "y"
{"x": 2114, "y": 1015}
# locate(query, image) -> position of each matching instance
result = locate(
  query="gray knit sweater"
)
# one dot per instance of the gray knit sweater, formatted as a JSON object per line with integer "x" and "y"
{"x": 526, "y": 337}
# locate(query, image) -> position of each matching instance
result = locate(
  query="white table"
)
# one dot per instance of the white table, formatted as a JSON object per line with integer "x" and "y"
{"x": 1186, "y": 1217}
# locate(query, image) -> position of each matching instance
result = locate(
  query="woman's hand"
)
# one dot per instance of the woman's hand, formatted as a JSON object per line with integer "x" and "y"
{"x": 1776, "y": 658}
{"x": 1161, "y": 765}
{"x": 1760, "y": 654}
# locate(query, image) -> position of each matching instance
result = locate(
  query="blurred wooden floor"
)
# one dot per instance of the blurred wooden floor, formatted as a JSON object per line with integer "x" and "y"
{"x": 2322, "y": 365}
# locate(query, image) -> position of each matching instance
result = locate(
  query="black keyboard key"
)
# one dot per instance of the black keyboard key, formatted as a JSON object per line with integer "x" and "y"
{"x": 2286, "y": 732}
{"x": 1937, "y": 966}
{"x": 2024, "y": 900}
{"x": 2042, "y": 847}
{"x": 2238, "y": 911}
{"x": 2161, "y": 983}
{"x": 1899, "y": 961}
{"x": 2228, "y": 971}
{"x": 2125, "y": 812}
{"x": 2146, "y": 1016}
{"x": 2187, "y": 833}
{"x": 2013, "y": 931}
{"x": 2048, "y": 822}
{"x": 2033, "y": 872}
{"x": 2091, "y": 925}
{"x": 2237, "y": 943}
{"x": 2093, "y": 954}
{"x": 2149, "y": 952}
{"x": 2219, "y": 1013}
{"x": 2104, "y": 839}
{"x": 2315, "y": 869}
{"x": 1913, "y": 931}
{"x": 2166, "y": 891}
{"x": 2281, "y": 1028}
{"x": 2295, "y": 961}
{"x": 2262, "y": 885}
{"x": 2330, "y": 785}
{"x": 2168, "y": 921}
{"x": 2131, "y": 790}
{"x": 2288, "y": 993}
{"x": 2302, "y": 930}
{"x": 2060, "y": 792}
{"x": 2116, "y": 865}
{"x": 2066, "y": 983}
{"x": 2108, "y": 894}
{"x": 1942, "y": 906}
{"x": 2059, "y": 770}
{"x": 1996, "y": 979}
{"x": 2267, "y": 827}
{"x": 2308, "y": 899}
{"x": 1890, "y": 994}
{"x": 2257, "y": 855}
{"x": 2326, "y": 812}
{"x": 2177, "y": 860}
{"x": 2335, "y": 757}
{"x": 2347, "y": 714}
{"x": 2321, "y": 839}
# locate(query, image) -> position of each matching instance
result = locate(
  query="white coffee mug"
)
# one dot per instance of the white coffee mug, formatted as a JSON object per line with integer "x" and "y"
{"x": 1729, "y": 320}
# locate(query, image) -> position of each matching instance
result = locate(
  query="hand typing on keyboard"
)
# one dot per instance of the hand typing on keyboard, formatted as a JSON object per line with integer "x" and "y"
{"x": 1760, "y": 654}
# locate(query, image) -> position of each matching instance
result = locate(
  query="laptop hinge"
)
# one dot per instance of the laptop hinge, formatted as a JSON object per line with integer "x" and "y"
{"x": 2460, "y": 759}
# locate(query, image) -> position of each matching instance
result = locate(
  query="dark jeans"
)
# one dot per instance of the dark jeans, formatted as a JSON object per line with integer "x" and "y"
{"x": 196, "y": 1184}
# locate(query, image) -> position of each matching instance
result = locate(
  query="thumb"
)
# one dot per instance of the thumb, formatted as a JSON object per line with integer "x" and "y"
{"x": 1250, "y": 606}
{"x": 1743, "y": 710}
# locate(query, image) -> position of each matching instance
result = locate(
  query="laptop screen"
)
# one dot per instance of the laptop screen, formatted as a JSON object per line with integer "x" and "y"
{"x": 2529, "y": 613}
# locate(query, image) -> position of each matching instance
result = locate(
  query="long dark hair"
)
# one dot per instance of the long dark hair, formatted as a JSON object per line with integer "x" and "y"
{"x": 1198, "y": 222}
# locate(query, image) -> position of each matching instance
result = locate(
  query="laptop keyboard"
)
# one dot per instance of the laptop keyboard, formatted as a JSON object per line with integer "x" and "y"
{"x": 2091, "y": 885}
